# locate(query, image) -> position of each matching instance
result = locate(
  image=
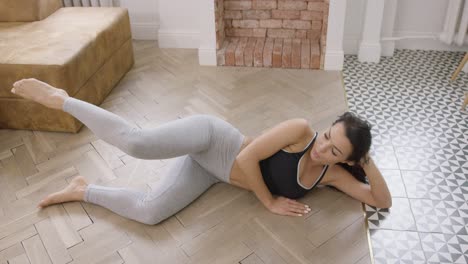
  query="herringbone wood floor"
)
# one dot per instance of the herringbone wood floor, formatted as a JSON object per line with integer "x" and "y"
{"x": 225, "y": 225}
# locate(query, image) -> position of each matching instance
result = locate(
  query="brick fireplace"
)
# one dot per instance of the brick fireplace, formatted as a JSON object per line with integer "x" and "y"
{"x": 271, "y": 33}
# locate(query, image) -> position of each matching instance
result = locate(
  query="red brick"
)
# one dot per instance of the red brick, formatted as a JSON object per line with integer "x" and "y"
{"x": 237, "y": 5}
{"x": 239, "y": 53}
{"x": 259, "y": 32}
{"x": 313, "y": 34}
{"x": 221, "y": 53}
{"x": 286, "y": 56}
{"x": 262, "y": 4}
{"x": 271, "y": 23}
{"x": 311, "y": 15}
{"x": 281, "y": 33}
{"x": 232, "y": 14}
{"x": 292, "y": 5}
{"x": 315, "y": 6}
{"x": 326, "y": 10}
{"x": 314, "y": 55}
{"x": 256, "y": 14}
{"x": 301, "y": 34}
{"x": 248, "y": 52}
{"x": 268, "y": 52}
{"x": 245, "y": 23}
{"x": 323, "y": 42}
{"x": 316, "y": 25}
{"x": 258, "y": 52}
{"x": 285, "y": 14}
{"x": 322, "y": 59}
{"x": 296, "y": 54}
{"x": 230, "y": 52}
{"x": 296, "y": 24}
{"x": 277, "y": 50}
{"x": 219, "y": 39}
{"x": 219, "y": 25}
{"x": 324, "y": 28}
{"x": 239, "y": 32}
{"x": 305, "y": 54}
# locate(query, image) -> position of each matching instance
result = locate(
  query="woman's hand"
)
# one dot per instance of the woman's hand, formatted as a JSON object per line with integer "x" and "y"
{"x": 285, "y": 206}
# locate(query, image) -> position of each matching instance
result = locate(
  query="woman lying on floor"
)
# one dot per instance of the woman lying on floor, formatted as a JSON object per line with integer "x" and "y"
{"x": 279, "y": 166}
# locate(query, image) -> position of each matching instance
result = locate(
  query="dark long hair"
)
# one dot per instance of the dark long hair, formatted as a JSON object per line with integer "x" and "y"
{"x": 358, "y": 131}
{"x": 357, "y": 171}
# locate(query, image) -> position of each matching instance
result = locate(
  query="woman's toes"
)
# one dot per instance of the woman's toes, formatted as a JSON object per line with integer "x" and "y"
{"x": 19, "y": 83}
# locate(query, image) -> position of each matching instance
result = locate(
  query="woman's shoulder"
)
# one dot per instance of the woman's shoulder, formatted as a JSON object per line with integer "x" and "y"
{"x": 293, "y": 125}
{"x": 302, "y": 142}
{"x": 305, "y": 124}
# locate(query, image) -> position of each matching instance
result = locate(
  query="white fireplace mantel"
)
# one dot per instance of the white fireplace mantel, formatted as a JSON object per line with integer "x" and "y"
{"x": 334, "y": 54}
{"x": 207, "y": 48}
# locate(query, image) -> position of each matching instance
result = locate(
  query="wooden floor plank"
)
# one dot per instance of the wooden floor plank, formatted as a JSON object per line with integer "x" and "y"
{"x": 224, "y": 225}
{"x": 36, "y": 251}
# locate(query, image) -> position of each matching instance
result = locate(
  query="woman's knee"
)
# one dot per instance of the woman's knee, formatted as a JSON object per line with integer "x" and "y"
{"x": 134, "y": 143}
{"x": 146, "y": 213}
{"x": 155, "y": 216}
{"x": 151, "y": 220}
{"x": 205, "y": 118}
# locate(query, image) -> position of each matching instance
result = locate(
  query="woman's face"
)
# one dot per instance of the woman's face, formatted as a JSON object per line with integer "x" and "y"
{"x": 331, "y": 146}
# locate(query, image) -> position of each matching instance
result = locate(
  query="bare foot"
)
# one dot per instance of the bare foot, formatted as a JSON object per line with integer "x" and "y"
{"x": 40, "y": 92}
{"x": 73, "y": 192}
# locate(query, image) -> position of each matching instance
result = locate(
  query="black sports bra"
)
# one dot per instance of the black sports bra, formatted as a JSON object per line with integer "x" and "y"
{"x": 281, "y": 173}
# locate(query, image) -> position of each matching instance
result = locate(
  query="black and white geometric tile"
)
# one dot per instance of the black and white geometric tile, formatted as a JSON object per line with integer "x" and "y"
{"x": 448, "y": 217}
{"x": 395, "y": 182}
{"x": 445, "y": 248}
{"x": 420, "y": 143}
{"x": 400, "y": 217}
{"x": 391, "y": 246}
{"x": 384, "y": 156}
{"x": 436, "y": 185}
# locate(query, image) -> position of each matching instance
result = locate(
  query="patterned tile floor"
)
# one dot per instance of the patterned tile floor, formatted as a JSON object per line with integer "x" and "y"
{"x": 420, "y": 143}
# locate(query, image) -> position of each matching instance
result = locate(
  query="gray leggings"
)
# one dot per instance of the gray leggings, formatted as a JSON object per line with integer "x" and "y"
{"x": 205, "y": 147}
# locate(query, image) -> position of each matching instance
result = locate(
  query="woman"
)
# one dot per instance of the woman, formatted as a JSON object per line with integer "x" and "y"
{"x": 286, "y": 161}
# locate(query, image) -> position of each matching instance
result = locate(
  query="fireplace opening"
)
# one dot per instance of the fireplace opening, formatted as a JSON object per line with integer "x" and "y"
{"x": 271, "y": 33}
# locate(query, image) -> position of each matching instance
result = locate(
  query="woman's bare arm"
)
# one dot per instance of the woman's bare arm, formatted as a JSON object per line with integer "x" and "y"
{"x": 379, "y": 188}
{"x": 284, "y": 134}
{"x": 375, "y": 193}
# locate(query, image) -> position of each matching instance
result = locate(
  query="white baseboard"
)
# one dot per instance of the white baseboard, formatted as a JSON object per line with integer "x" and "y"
{"x": 334, "y": 60}
{"x": 369, "y": 52}
{"x": 351, "y": 46}
{"x": 145, "y": 31}
{"x": 388, "y": 48}
{"x": 424, "y": 44}
{"x": 351, "y": 43}
{"x": 174, "y": 39}
{"x": 207, "y": 57}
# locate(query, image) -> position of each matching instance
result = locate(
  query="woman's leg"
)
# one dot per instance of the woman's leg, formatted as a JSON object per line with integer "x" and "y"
{"x": 176, "y": 138}
{"x": 172, "y": 139}
{"x": 183, "y": 183}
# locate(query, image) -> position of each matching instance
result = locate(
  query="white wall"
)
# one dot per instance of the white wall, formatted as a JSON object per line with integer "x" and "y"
{"x": 413, "y": 18}
{"x": 179, "y": 24}
{"x": 176, "y": 23}
{"x": 144, "y": 17}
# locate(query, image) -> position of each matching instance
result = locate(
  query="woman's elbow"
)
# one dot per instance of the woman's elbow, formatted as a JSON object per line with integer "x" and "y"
{"x": 385, "y": 204}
